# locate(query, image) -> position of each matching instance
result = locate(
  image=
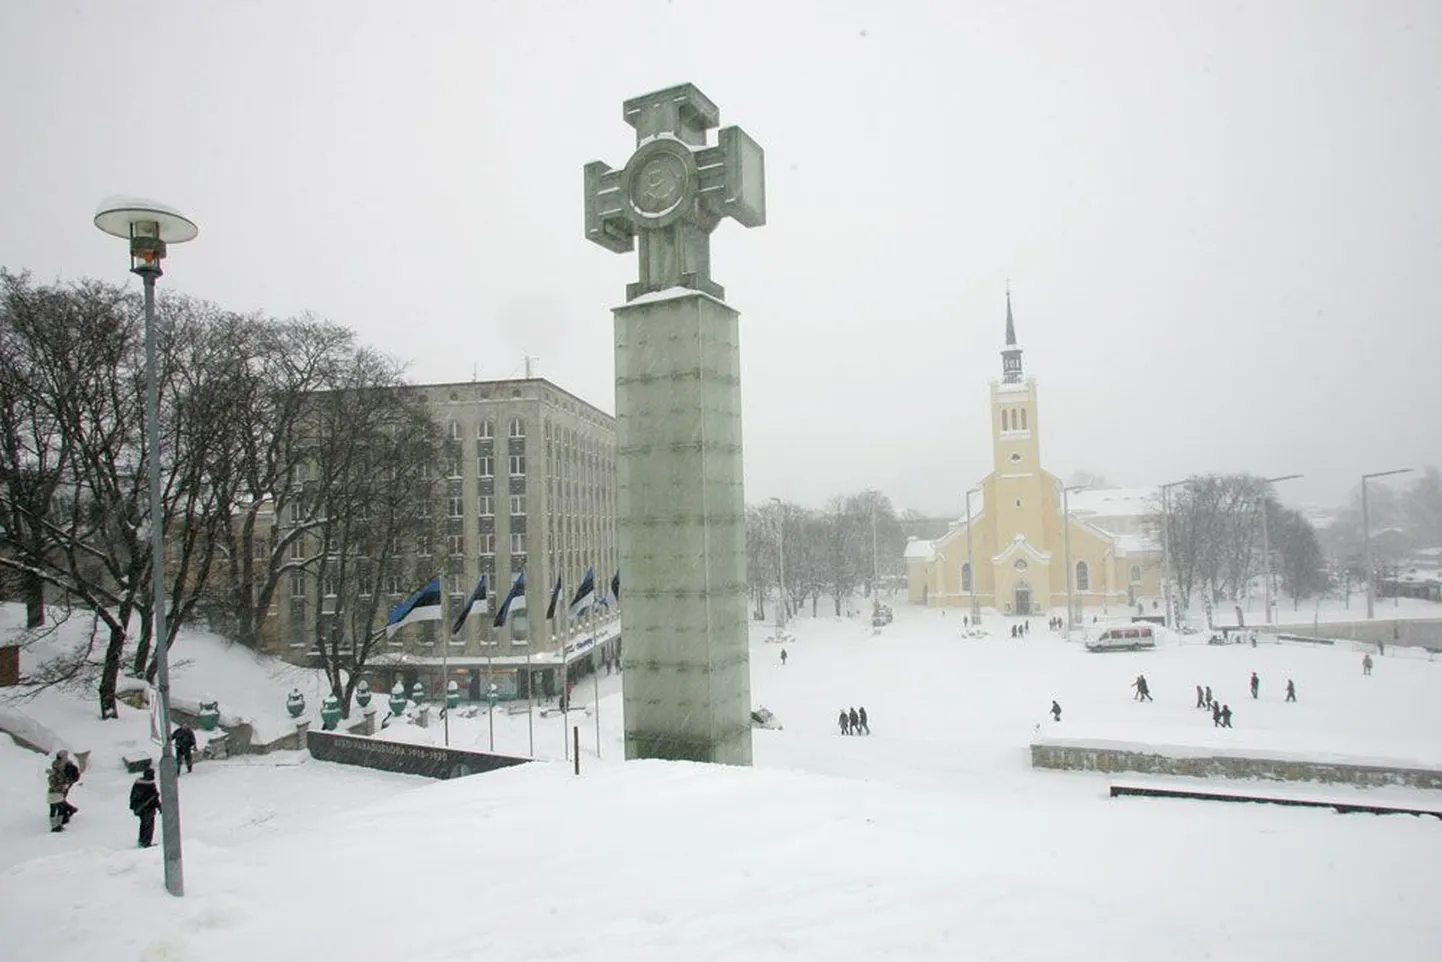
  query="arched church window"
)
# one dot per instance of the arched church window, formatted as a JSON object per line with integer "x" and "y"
{"x": 1023, "y": 419}
{"x": 1083, "y": 577}
{"x": 1005, "y": 419}
{"x": 965, "y": 576}
{"x": 1136, "y": 574}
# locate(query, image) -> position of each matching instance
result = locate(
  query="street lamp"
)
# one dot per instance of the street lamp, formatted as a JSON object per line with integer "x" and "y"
{"x": 970, "y": 562}
{"x": 1367, "y": 532}
{"x": 781, "y": 565}
{"x": 1066, "y": 549}
{"x": 1267, "y": 548}
{"x": 150, "y": 227}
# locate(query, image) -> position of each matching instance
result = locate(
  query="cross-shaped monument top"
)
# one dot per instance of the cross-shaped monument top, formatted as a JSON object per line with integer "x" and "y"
{"x": 675, "y": 190}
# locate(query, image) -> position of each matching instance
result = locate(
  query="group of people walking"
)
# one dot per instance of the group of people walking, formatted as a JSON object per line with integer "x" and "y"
{"x": 853, "y": 722}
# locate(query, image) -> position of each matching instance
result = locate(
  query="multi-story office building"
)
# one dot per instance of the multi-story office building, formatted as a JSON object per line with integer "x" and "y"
{"x": 528, "y": 485}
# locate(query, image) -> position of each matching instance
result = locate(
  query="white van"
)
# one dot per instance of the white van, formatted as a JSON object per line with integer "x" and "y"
{"x": 1129, "y": 638}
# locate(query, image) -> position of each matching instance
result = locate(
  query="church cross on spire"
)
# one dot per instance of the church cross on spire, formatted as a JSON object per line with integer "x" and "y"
{"x": 1010, "y": 354}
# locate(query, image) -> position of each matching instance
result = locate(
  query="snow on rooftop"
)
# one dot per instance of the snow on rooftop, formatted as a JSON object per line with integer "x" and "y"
{"x": 920, "y": 549}
{"x": 1114, "y": 502}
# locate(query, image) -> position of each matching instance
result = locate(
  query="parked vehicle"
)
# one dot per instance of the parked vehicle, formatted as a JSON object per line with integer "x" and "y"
{"x": 1127, "y": 638}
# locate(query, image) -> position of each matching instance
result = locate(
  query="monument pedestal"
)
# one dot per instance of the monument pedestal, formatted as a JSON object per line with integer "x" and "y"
{"x": 681, "y": 517}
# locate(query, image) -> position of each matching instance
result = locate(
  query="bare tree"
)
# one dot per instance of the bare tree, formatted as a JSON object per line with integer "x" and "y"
{"x": 1303, "y": 567}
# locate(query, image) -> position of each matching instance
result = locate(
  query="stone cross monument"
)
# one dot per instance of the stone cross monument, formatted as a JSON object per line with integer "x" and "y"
{"x": 680, "y": 505}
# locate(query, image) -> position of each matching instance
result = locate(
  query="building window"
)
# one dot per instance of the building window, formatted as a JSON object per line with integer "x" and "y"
{"x": 486, "y": 542}
{"x": 518, "y": 428}
{"x": 297, "y": 584}
{"x": 456, "y": 544}
{"x": 1136, "y": 574}
{"x": 453, "y": 430}
{"x": 393, "y": 584}
{"x": 297, "y": 550}
{"x": 485, "y": 506}
{"x": 485, "y": 466}
{"x": 1083, "y": 577}
{"x": 423, "y": 509}
{"x": 454, "y": 508}
{"x": 518, "y": 544}
{"x": 327, "y": 586}
{"x": 518, "y": 504}
{"x": 966, "y": 576}
{"x": 453, "y": 468}
{"x": 424, "y": 472}
{"x": 518, "y": 465}
{"x": 423, "y": 546}
{"x": 486, "y": 429}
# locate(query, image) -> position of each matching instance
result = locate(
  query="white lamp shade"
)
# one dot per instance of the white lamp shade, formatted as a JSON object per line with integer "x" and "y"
{"x": 115, "y": 215}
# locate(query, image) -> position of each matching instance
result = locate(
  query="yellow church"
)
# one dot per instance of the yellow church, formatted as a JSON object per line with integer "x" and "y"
{"x": 1018, "y": 536}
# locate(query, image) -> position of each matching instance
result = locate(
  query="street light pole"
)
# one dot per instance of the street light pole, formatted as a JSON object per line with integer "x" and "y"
{"x": 970, "y": 562}
{"x": 1066, "y": 549}
{"x": 1267, "y": 549}
{"x": 149, "y": 227}
{"x": 1168, "y": 618}
{"x": 1367, "y": 534}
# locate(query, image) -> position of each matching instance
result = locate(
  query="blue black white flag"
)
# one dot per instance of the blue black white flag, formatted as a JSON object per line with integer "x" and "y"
{"x": 424, "y": 605}
{"x": 616, "y": 586}
{"x": 555, "y": 599}
{"x": 515, "y": 600}
{"x": 585, "y": 595}
{"x": 476, "y": 604}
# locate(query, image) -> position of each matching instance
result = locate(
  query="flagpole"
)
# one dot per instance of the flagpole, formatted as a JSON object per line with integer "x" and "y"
{"x": 561, "y": 679}
{"x": 596, "y": 679}
{"x": 530, "y": 702}
{"x": 445, "y": 665}
{"x": 490, "y": 698}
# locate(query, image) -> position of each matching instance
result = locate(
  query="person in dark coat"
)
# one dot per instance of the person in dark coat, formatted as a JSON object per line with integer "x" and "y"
{"x": 144, "y": 803}
{"x": 184, "y": 739}
{"x": 1216, "y": 715}
{"x": 1209, "y": 699}
{"x": 1291, "y": 690}
{"x": 861, "y": 717}
{"x": 844, "y": 720}
{"x": 1143, "y": 692}
{"x": 56, "y": 786}
{"x": 1200, "y": 702}
{"x": 1055, "y": 710}
{"x": 1226, "y": 716}
{"x": 1256, "y": 684}
{"x": 855, "y": 721}
{"x": 783, "y": 656}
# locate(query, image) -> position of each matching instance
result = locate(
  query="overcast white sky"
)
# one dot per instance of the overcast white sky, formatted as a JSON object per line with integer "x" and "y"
{"x": 1222, "y": 222}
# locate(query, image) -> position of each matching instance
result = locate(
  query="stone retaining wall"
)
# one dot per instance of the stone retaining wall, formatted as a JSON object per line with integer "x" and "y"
{"x": 1099, "y": 759}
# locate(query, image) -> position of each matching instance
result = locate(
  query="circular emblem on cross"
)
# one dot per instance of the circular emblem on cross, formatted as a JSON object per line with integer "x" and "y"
{"x": 658, "y": 181}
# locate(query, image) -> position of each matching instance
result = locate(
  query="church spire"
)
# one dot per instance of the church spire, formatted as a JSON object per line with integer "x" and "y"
{"x": 1010, "y": 354}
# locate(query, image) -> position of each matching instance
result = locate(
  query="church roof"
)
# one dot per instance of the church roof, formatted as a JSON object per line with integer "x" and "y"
{"x": 1115, "y": 502}
{"x": 1010, "y": 324}
{"x": 917, "y": 548}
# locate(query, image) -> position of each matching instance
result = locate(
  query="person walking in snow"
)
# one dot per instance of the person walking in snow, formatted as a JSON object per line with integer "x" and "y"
{"x": 1143, "y": 693}
{"x": 56, "y": 786}
{"x": 1055, "y": 710}
{"x": 184, "y": 739}
{"x": 1367, "y": 664}
{"x": 144, "y": 803}
{"x": 844, "y": 720}
{"x": 1291, "y": 691}
{"x": 855, "y": 721}
{"x": 1226, "y": 716}
{"x": 1216, "y": 715}
{"x": 1200, "y": 703}
{"x": 861, "y": 717}
{"x": 1209, "y": 699}
{"x": 1256, "y": 684}
{"x": 783, "y": 656}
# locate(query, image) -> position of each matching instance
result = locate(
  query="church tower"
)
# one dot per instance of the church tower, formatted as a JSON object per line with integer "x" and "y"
{"x": 1016, "y": 448}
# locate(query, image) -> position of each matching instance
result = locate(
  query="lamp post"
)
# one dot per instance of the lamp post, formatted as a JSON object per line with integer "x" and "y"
{"x": 1267, "y": 549}
{"x": 1367, "y": 533}
{"x": 970, "y": 562}
{"x": 149, "y": 227}
{"x": 1066, "y": 550}
{"x": 875, "y": 567}
{"x": 781, "y": 565}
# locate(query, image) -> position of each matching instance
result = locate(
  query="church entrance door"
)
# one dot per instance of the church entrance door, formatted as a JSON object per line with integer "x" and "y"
{"x": 1022, "y": 602}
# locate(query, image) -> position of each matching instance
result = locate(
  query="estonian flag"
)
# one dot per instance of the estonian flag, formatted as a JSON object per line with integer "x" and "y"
{"x": 476, "y": 604}
{"x": 585, "y": 595}
{"x": 555, "y": 599}
{"x": 424, "y": 605}
{"x": 616, "y": 586}
{"x": 515, "y": 600}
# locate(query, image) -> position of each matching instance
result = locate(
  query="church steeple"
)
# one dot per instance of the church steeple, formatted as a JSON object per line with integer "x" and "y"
{"x": 1010, "y": 354}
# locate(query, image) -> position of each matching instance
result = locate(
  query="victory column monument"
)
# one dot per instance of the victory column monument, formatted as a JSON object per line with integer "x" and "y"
{"x": 680, "y": 505}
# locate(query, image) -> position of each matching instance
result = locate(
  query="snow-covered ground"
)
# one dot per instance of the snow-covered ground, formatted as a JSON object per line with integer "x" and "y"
{"x": 931, "y": 838}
